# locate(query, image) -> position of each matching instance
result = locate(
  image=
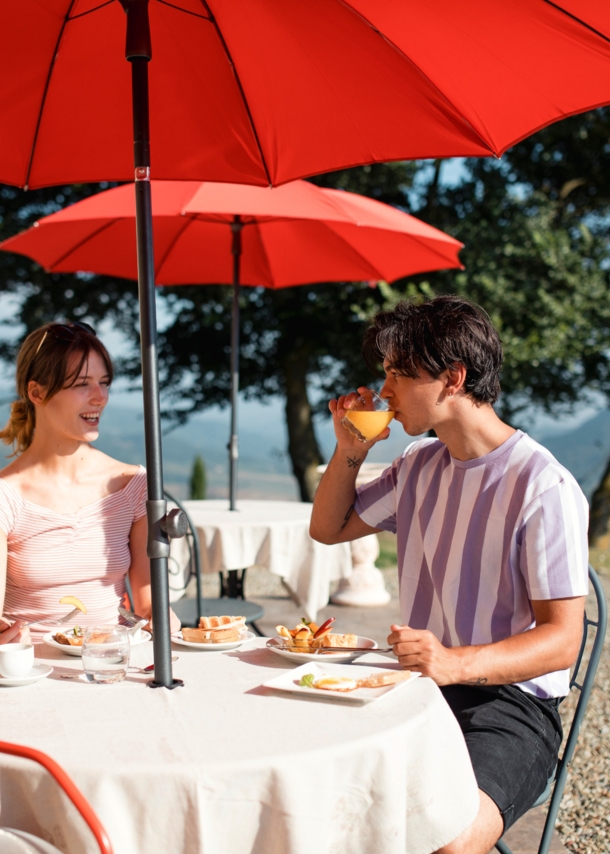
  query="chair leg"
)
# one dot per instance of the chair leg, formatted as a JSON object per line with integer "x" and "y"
{"x": 256, "y": 629}
{"x": 502, "y": 847}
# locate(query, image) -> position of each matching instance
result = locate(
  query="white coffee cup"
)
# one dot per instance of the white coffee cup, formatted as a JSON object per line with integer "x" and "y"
{"x": 16, "y": 659}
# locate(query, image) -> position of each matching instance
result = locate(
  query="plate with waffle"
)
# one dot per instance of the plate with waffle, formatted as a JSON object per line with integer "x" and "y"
{"x": 215, "y": 634}
{"x": 310, "y": 642}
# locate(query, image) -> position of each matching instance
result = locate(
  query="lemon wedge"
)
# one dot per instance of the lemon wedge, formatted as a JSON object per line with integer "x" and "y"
{"x": 72, "y": 600}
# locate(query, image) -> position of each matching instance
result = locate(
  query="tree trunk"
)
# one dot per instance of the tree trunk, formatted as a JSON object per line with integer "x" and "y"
{"x": 600, "y": 510}
{"x": 302, "y": 443}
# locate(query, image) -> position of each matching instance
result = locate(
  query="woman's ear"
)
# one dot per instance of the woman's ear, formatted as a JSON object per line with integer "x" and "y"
{"x": 36, "y": 393}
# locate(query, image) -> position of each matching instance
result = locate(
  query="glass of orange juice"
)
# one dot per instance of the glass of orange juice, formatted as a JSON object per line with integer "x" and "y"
{"x": 368, "y": 416}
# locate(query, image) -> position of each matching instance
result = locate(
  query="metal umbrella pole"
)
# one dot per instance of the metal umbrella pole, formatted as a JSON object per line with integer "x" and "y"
{"x": 160, "y": 526}
{"x": 236, "y": 227}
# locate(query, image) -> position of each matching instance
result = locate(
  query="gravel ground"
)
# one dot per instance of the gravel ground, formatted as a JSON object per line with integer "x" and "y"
{"x": 584, "y": 816}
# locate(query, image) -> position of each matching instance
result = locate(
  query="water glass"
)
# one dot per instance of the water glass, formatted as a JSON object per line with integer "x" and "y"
{"x": 106, "y": 653}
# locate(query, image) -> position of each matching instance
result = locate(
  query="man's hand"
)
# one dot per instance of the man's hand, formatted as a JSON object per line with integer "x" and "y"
{"x": 420, "y": 650}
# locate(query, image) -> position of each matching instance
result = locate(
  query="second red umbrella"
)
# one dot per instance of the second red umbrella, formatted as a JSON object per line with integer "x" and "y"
{"x": 230, "y": 233}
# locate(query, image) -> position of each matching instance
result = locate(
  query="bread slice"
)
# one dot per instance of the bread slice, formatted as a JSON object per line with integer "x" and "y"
{"x": 224, "y": 635}
{"x": 386, "y": 677}
{"x": 335, "y": 641}
{"x": 224, "y": 622}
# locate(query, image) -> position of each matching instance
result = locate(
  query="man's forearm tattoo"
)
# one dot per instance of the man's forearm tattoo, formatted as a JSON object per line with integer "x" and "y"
{"x": 482, "y": 680}
{"x": 353, "y": 462}
{"x": 347, "y": 515}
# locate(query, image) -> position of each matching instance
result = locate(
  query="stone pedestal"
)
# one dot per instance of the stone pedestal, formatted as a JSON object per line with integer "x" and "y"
{"x": 365, "y": 586}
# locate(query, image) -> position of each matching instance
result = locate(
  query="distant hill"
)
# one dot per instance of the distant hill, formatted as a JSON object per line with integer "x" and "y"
{"x": 584, "y": 451}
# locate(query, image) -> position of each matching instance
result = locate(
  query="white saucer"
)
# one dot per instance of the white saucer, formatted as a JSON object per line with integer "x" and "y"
{"x": 38, "y": 671}
{"x": 212, "y": 647}
{"x": 78, "y": 650}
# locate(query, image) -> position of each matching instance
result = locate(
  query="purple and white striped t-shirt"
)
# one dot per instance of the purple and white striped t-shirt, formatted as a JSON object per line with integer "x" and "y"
{"x": 478, "y": 539}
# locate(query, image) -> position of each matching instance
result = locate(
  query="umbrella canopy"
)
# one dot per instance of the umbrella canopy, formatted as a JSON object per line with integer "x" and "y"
{"x": 264, "y": 92}
{"x": 291, "y": 235}
{"x": 230, "y": 233}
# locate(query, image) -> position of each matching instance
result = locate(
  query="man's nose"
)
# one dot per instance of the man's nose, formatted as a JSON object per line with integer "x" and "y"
{"x": 385, "y": 390}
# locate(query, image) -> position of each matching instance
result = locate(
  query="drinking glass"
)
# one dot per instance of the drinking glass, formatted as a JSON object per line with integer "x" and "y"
{"x": 106, "y": 653}
{"x": 368, "y": 416}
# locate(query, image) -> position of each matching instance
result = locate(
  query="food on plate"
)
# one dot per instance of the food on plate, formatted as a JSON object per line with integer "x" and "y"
{"x": 307, "y": 636}
{"x": 72, "y": 600}
{"x": 334, "y": 641}
{"x": 345, "y": 683}
{"x": 383, "y": 678}
{"x": 223, "y": 629}
{"x": 71, "y": 637}
{"x": 329, "y": 683}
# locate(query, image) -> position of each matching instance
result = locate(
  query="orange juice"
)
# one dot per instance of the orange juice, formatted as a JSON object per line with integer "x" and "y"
{"x": 369, "y": 424}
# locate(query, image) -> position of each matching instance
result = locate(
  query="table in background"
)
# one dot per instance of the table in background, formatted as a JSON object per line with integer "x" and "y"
{"x": 224, "y": 766}
{"x": 272, "y": 534}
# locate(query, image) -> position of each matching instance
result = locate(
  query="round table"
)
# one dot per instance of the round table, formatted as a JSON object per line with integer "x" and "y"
{"x": 272, "y": 534}
{"x": 224, "y": 765}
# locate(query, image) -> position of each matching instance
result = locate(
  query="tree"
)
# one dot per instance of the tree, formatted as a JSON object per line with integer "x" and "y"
{"x": 198, "y": 480}
{"x": 536, "y": 257}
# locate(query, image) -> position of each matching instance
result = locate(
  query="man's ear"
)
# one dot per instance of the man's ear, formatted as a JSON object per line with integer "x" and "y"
{"x": 455, "y": 379}
{"x": 36, "y": 393}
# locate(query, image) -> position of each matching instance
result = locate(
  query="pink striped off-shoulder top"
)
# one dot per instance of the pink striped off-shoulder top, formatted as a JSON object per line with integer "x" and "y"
{"x": 85, "y": 554}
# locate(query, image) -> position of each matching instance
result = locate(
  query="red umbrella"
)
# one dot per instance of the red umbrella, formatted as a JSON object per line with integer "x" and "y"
{"x": 233, "y": 233}
{"x": 265, "y": 91}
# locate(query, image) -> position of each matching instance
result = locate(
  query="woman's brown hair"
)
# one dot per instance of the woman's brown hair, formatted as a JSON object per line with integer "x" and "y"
{"x": 52, "y": 356}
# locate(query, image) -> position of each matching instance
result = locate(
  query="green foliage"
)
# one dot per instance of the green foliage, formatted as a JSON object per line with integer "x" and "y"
{"x": 41, "y": 297}
{"x": 198, "y": 480}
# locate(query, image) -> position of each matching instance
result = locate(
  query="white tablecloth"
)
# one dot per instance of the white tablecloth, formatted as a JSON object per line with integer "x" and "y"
{"x": 272, "y": 534}
{"x": 224, "y": 766}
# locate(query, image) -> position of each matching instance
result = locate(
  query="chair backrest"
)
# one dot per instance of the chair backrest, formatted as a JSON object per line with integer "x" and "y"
{"x": 75, "y": 795}
{"x": 192, "y": 539}
{"x": 583, "y": 682}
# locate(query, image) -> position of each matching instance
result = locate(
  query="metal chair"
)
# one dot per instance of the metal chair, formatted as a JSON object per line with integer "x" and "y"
{"x": 24, "y": 843}
{"x": 556, "y": 784}
{"x": 231, "y": 599}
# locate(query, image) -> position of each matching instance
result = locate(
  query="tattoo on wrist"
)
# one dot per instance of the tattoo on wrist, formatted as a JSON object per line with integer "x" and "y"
{"x": 347, "y": 515}
{"x": 481, "y": 680}
{"x": 353, "y": 462}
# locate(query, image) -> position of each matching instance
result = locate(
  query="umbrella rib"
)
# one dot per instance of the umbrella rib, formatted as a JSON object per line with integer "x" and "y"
{"x": 488, "y": 145}
{"x": 578, "y": 20}
{"x": 186, "y": 11}
{"x": 89, "y": 11}
{"x": 86, "y": 239}
{"x": 164, "y": 257}
{"x": 241, "y": 90}
{"x": 44, "y": 95}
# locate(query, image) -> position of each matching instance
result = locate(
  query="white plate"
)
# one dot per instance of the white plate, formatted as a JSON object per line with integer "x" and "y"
{"x": 38, "y": 671}
{"x": 212, "y": 647}
{"x": 78, "y": 650}
{"x": 290, "y": 682}
{"x": 275, "y": 643}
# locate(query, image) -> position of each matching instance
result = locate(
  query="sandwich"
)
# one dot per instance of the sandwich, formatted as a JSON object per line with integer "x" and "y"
{"x": 223, "y": 629}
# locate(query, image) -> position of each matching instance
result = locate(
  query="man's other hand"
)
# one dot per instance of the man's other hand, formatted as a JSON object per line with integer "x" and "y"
{"x": 420, "y": 650}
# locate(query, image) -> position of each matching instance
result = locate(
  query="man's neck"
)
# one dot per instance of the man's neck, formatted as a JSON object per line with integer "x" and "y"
{"x": 473, "y": 431}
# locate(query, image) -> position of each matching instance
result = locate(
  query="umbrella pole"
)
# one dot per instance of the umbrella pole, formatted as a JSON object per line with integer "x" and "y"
{"x": 138, "y": 53}
{"x": 236, "y": 227}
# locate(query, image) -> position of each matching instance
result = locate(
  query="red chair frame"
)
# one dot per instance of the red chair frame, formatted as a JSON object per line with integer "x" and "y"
{"x": 75, "y": 795}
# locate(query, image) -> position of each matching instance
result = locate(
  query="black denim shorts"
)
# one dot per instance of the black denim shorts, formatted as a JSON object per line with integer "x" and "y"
{"x": 513, "y": 739}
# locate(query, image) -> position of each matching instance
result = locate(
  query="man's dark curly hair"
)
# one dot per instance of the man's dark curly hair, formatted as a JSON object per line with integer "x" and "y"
{"x": 435, "y": 335}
